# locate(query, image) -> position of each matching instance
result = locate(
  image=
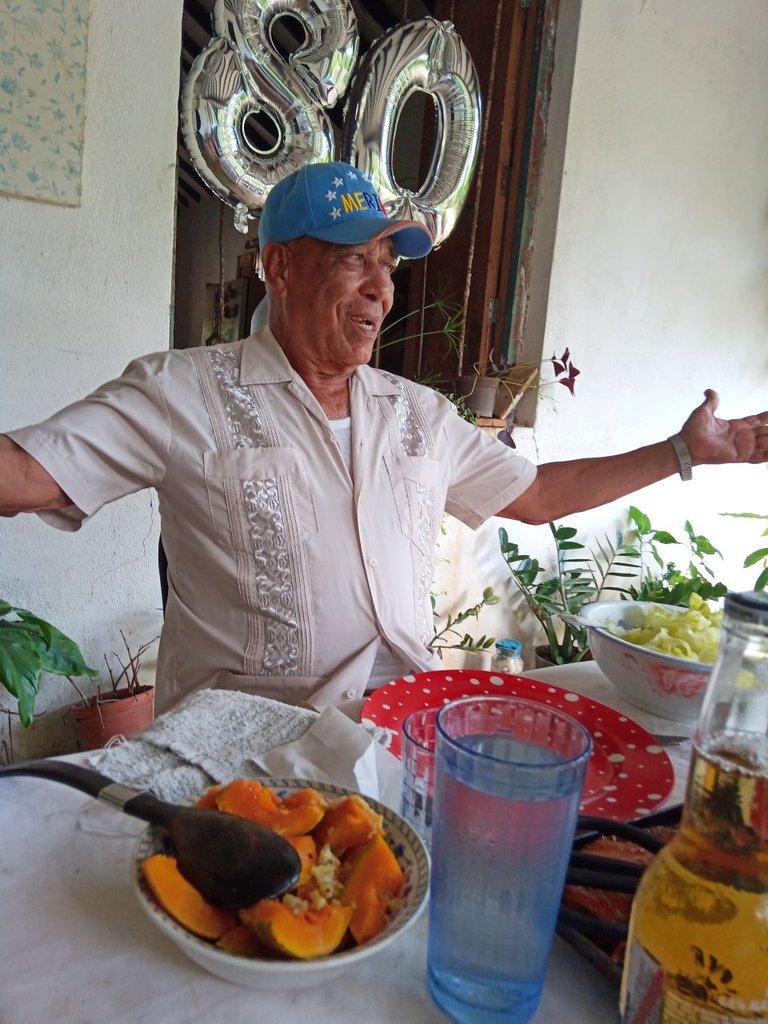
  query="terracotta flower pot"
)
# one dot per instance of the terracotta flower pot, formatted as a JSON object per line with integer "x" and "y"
{"x": 104, "y": 718}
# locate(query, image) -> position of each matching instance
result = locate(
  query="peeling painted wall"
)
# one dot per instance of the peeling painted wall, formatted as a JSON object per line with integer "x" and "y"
{"x": 82, "y": 292}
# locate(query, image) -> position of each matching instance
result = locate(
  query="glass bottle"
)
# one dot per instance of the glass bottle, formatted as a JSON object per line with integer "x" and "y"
{"x": 507, "y": 657}
{"x": 697, "y": 951}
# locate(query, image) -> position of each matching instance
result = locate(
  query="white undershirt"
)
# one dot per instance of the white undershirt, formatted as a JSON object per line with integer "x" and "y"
{"x": 342, "y": 430}
{"x": 388, "y": 665}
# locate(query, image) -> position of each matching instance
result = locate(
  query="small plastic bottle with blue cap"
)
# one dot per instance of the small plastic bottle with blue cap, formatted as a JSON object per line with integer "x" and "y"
{"x": 508, "y": 657}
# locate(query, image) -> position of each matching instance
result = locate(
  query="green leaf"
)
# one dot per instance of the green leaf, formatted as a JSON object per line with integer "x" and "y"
{"x": 20, "y": 669}
{"x": 662, "y": 537}
{"x": 565, "y": 533}
{"x": 640, "y": 519}
{"x": 762, "y": 580}
{"x": 706, "y": 547}
{"x": 29, "y": 646}
{"x": 63, "y": 656}
{"x": 756, "y": 556}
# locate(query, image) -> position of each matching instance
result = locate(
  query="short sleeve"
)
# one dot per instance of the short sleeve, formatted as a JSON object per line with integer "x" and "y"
{"x": 112, "y": 443}
{"x": 486, "y": 475}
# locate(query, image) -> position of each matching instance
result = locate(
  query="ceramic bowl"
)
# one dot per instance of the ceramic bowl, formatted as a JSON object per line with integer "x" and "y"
{"x": 277, "y": 973}
{"x": 666, "y": 686}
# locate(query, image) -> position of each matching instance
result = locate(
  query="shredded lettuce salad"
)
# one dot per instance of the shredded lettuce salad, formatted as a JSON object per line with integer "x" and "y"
{"x": 693, "y": 634}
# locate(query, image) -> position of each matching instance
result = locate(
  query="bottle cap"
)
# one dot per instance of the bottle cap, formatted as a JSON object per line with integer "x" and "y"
{"x": 508, "y": 646}
{"x": 749, "y": 606}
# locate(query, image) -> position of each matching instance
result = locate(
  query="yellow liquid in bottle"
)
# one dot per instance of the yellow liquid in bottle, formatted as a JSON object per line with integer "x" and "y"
{"x": 697, "y": 951}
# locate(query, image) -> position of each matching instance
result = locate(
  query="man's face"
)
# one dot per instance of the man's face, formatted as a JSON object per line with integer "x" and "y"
{"x": 337, "y": 298}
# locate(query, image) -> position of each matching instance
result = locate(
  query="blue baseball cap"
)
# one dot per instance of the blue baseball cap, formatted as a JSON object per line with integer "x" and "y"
{"x": 335, "y": 202}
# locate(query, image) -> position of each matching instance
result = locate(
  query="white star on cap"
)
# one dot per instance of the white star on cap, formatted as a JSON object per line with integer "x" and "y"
{"x": 336, "y": 213}
{"x": 337, "y": 182}
{"x": 351, "y": 174}
{"x": 330, "y": 196}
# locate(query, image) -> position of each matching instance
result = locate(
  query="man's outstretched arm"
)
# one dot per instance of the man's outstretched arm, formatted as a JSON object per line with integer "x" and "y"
{"x": 563, "y": 488}
{"x": 24, "y": 485}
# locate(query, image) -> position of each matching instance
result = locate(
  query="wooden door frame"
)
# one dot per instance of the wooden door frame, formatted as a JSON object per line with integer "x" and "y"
{"x": 487, "y": 261}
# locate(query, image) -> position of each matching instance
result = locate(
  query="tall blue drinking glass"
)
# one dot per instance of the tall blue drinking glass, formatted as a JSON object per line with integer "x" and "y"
{"x": 509, "y": 774}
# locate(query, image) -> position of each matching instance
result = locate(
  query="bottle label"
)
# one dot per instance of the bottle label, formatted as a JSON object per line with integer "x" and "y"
{"x": 647, "y": 999}
{"x": 642, "y": 988}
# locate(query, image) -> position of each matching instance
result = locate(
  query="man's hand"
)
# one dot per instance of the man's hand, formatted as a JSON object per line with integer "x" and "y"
{"x": 712, "y": 441}
{"x": 24, "y": 485}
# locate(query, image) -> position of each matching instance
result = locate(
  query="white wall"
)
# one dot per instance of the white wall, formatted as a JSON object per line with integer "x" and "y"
{"x": 660, "y": 274}
{"x": 82, "y": 292}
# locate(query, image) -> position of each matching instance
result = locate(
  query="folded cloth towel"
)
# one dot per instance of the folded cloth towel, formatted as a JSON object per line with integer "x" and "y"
{"x": 212, "y": 736}
{"x": 215, "y": 736}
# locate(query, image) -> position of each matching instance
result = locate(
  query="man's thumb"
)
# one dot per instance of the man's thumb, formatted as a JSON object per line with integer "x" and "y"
{"x": 711, "y": 401}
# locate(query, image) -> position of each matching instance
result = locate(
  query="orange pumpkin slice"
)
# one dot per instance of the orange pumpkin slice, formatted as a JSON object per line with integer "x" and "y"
{"x": 348, "y": 823}
{"x": 307, "y": 850}
{"x": 182, "y": 901}
{"x": 241, "y": 940}
{"x": 301, "y": 934}
{"x": 374, "y": 879}
{"x": 292, "y": 817}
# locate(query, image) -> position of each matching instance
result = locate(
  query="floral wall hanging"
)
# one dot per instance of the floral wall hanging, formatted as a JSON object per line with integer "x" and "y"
{"x": 43, "y": 51}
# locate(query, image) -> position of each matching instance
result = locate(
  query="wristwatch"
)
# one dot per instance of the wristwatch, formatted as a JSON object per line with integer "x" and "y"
{"x": 683, "y": 456}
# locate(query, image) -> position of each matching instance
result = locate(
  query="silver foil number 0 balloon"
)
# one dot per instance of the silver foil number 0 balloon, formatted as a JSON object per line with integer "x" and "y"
{"x": 249, "y": 117}
{"x": 421, "y": 56}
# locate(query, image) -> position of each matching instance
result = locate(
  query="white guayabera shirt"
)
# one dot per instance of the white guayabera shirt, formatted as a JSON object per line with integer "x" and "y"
{"x": 286, "y": 570}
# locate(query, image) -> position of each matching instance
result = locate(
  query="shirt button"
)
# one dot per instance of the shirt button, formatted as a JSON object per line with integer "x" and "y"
{"x": 373, "y": 563}
{"x": 350, "y": 694}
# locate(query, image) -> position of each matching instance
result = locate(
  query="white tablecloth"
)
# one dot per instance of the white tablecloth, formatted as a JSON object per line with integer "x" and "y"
{"x": 75, "y": 947}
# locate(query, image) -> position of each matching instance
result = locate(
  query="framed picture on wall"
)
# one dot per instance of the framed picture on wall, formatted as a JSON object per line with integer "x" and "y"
{"x": 233, "y": 316}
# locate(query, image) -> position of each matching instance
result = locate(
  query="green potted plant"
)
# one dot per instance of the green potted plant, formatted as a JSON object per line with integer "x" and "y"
{"x": 30, "y": 646}
{"x": 581, "y": 576}
{"x": 496, "y": 390}
{"x": 670, "y": 583}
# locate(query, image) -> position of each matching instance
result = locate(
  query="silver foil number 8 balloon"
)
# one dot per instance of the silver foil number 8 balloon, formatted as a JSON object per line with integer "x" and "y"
{"x": 250, "y": 116}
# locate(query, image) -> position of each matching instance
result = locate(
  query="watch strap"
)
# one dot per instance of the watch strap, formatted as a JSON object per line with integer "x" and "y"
{"x": 683, "y": 456}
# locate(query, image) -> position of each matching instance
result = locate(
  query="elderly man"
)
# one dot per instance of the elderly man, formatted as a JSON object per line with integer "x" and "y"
{"x": 301, "y": 490}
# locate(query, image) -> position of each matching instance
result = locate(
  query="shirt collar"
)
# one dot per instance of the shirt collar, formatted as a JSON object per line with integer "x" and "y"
{"x": 264, "y": 362}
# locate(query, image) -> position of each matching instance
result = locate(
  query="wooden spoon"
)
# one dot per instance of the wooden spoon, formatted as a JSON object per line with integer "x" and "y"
{"x": 233, "y": 862}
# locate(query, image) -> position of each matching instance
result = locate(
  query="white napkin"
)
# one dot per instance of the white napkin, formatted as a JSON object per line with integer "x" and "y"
{"x": 334, "y": 749}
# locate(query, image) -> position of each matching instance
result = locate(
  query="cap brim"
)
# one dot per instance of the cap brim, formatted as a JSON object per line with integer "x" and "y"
{"x": 409, "y": 238}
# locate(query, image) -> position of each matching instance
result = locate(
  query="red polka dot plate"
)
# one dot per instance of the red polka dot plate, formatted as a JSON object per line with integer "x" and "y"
{"x": 628, "y": 775}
